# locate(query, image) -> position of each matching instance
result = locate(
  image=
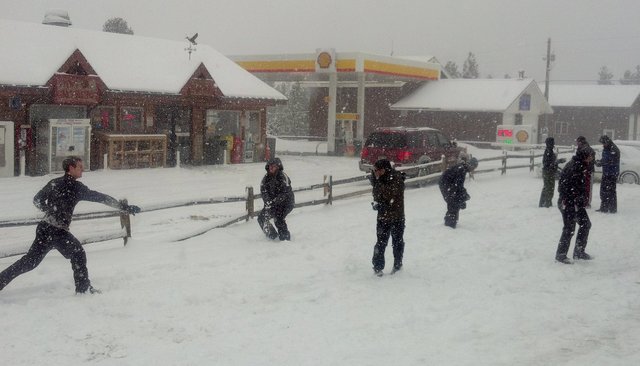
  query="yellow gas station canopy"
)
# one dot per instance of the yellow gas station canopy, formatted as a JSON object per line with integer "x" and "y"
{"x": 305, "y": 67}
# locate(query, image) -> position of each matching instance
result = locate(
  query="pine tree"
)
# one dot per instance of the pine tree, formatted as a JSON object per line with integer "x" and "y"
{"x": 605, "y": 76}
{"x": 117, "y": 25}
{"x": 631, "y": 77}
{"x": 470, "y": 67}
{"x": 452, "y": 69}
{"x": 292, "y": 118}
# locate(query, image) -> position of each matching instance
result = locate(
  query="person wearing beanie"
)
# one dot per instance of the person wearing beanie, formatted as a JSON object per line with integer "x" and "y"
{"x": 549, "y": 167}
{"x": 610, "y": 164}
{"x": 278, "y": 199}
{"x": 388, "y": 201}
{"x": 572, "y": 203}
{"x": 452, "y": 188}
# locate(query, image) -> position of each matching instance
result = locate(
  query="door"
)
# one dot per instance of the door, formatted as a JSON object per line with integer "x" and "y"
{"x": 175, "y": 122}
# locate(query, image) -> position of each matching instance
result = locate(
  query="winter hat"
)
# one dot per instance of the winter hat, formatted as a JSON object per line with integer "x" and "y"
{"x": 604, "y": 139}
{"x": 382, "y": 164}
{"x": 274, "y": 161}
{"x": 550, "y": 142}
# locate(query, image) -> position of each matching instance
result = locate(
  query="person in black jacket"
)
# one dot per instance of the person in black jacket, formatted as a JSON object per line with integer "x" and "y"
{"x": 572, "y": 203}
{"x": 453, "y": 191}
{"x": 388, "y": 200}
{"x": 582, "y": 143}
{"x": 610, "y": 164}
{"x": 57, "y": 200}
{"x": 549, "y": 168}
{"x": 278, "y": 199}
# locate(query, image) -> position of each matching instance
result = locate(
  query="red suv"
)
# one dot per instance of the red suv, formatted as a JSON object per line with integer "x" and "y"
{"x": 407, "y": 146}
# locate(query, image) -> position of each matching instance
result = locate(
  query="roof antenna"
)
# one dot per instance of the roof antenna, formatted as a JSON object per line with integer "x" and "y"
{"x": 391, "y": 48}
{"x": 192, "y": 44}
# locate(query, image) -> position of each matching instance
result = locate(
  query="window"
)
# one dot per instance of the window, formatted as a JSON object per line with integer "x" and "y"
{"x": 225, "y": 122}
{"x": 562, "y": 128}
{"x": 518, "y": 119}
{"x": 131, "y": 120}
{"x": 525, "y": 102}
{"x": 103, "y": 118}
{"x": 253, "y": 130}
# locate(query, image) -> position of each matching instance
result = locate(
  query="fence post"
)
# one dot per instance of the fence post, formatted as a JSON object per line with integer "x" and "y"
{"x": 531, "y": 160}
{"x": 329, "y": 188}
{"x": 105, "y": 162}
{"x": 250, "y": 198}
{"x": 504, "y": 162}
{"x": 444, "y": 162}
{"x": 125, "y": 222}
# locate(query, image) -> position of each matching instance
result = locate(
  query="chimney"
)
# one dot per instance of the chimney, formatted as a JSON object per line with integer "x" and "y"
{"x": 57, "y": 17}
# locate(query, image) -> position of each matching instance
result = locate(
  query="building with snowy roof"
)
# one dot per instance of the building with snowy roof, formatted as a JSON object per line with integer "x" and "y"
{"x": 503, "y": 110}
{"x": 592, "y": 111}
{"x": 135, "y": 92}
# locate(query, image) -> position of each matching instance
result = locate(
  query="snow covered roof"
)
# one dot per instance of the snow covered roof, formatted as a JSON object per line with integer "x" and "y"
{"x": 32, "y": 54}
{"x": 580, "y": 95}
{"x": 482, "y": 95}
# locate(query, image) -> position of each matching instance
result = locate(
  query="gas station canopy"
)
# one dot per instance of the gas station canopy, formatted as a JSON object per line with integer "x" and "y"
{"x": 330, "y": 69}
{"x": 306, "y": 67}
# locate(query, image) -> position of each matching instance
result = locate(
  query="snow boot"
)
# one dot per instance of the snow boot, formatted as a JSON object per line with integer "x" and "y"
{"x": 396, "y": 268}
{"x": 564, "y": 260}
{"x": 378, "y": 272}
{"x": 582, "y": 255}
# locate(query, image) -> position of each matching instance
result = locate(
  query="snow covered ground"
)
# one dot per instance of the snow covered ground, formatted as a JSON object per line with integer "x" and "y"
{"x": 487, "y": 293}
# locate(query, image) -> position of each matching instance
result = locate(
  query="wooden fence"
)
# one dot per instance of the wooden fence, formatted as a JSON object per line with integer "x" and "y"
{"x": 420, "y": 179}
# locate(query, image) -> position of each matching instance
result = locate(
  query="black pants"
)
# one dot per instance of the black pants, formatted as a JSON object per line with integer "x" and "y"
{"x": 608, "y": 195}
{"x": 453, "y": 212}
{"x": 384, "y": 229}
{"x": 278, "y": 214}
{"x": 49, "y": 237}
{"x": 570, "y": 216}
{"x": 548, "y": 188}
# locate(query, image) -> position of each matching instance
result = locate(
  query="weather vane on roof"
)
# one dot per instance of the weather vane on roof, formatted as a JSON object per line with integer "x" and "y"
{"x": 192, "y": 44}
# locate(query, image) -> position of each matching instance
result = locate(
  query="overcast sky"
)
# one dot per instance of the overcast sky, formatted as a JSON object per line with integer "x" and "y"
{"x": 505, "y": 35}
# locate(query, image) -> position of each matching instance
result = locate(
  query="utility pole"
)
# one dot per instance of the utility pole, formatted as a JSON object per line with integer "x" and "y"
{"x": 548, "y": 58}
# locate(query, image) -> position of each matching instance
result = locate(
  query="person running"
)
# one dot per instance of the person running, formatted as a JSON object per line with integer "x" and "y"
{"x": 57, "y": 200}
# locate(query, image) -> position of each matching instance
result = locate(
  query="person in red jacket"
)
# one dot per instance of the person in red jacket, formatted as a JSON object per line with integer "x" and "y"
{"x": 57, "y": 200}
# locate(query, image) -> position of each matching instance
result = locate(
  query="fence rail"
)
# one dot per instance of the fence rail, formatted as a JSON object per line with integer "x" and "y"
{"x": 421, "y": 179}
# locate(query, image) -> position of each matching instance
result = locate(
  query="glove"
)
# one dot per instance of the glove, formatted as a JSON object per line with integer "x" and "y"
{"x": 131, "y": 209}
{"x": 268, "y": 204}
{"x": 466, "y": 197}
{"x": 598, "y": 162}
{"x": 375, "y": 206}
{"x": 463, "y": 205}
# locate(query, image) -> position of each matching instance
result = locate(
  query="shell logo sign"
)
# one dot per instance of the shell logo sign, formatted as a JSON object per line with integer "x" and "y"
{"x": 522, "y": 136}
{"x": 325, "y": 60}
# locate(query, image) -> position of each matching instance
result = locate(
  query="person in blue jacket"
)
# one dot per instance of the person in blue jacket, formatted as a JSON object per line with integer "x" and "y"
{"x": 610, "y": 164}
{"x": 57, "y": 200}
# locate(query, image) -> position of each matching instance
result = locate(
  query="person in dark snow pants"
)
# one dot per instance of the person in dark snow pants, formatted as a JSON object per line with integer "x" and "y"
{"x": 549, "y": 168}
{"x": 452, "y": 188}
{"x": 572, "y": 203}
{"x": 388, "y": 200}
{"x": 278, "y": 199}
{"x": 57, "y": 200}
{"x": 610, "y": 164}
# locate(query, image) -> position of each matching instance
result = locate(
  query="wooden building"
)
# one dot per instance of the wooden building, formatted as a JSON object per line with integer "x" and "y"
{"x": 592, "y": 111}
{"x": 149, "y": 101}
{"x": 506, "y": 110}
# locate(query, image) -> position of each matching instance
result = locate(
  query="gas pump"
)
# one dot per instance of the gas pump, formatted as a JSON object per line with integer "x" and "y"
{"x": 346, "y": 124}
